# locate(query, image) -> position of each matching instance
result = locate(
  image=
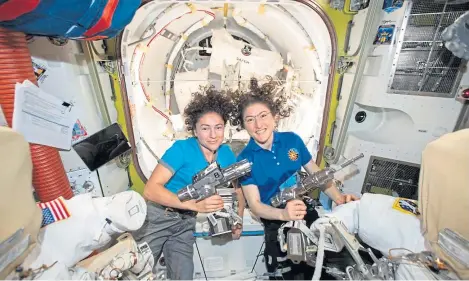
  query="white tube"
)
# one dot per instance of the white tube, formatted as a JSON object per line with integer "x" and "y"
{"x": 209, "y": 50}
{"x": 320, "y": 255}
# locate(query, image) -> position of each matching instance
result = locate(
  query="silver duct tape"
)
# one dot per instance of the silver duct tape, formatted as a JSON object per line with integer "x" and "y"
{"x": 454, "y": 245}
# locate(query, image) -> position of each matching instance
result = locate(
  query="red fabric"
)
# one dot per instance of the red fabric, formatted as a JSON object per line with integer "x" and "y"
{"x": 13, "y": 9}
{"x": 105, "y": 20}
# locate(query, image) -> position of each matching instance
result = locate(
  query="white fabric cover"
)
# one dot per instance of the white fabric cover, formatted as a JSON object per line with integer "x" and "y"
{"x": 177, "y": 121}
{"x": 187, "y": 83}
{"x": 255, "y": 63}
{"x": 127, "y": 210}
{"x": 380, "y": 225}
{"x": 456, "y": 37}
{"x": 348, "y": 214}
{"x": 383, "y": 227}
{"x": 377, "y": 220}
{"x": 60, "y": 271}
{"x": 73, "y": 239}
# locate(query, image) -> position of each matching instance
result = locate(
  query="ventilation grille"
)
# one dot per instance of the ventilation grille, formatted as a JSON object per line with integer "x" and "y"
{"x": 392, "y": 177}
{"x": 422, "y": 65}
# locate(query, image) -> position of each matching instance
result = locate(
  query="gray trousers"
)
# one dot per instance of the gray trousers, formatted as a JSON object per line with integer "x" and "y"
{"x": 170, "y": 233}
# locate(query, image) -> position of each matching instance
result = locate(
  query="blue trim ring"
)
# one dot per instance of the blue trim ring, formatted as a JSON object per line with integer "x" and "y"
{"x": 244, "y": 233}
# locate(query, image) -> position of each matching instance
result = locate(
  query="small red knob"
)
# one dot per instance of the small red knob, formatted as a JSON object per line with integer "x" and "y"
{"x": 465, "y": 94}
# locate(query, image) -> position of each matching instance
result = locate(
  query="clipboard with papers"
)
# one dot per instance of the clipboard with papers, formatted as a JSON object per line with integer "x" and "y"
{"x": 42, "y": 118}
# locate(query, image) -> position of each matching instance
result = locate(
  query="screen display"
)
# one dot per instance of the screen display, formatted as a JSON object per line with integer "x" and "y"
{"x": 102, "y": 147}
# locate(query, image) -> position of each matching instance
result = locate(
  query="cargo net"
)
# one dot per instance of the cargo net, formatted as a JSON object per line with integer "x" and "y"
{"x": 423, "y": 66}
{"x": 392, "y": 177}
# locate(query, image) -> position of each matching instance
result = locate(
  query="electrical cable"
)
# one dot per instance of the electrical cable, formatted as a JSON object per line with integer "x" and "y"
{"x": 348, "y": 270}
{"x": 394, "y": 249}
{"x": 96, "y": 53}
{"x": 200, "y": 258}
{"x": 34, "y": 273}
{"x": 100, "y": 184}
{"x": 257, "y": 257}
{"x": 227, "y": 80}
{"x": 320, "y": 255}
{"x": 142, "y": 59}
{"x": 149, "y": 149}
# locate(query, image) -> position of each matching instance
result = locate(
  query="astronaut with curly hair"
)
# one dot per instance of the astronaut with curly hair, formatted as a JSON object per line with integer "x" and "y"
{"x": 170, "y": 223}
{"x": 276, "y": 158}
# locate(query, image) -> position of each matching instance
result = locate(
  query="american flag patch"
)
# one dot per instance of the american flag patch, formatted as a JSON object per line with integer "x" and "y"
{"x": 53, "y": 211}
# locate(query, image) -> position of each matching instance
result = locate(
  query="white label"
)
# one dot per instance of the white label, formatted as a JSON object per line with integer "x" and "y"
{"x": 212, "y": 219}
{"x": 294, "y": 243}
{"x": 219, "y": 227}
{"x": 214, "y": 263}
{"x": 144, "y": 248}
{"x": 14, "y": 253}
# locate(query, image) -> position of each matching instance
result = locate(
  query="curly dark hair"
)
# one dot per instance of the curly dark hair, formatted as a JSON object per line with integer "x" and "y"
{"x": 264, "y": 94}
{"x": 208, "y": 100}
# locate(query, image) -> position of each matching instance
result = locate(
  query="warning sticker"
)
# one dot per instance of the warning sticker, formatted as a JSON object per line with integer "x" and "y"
{"x": 384, "y": 35}
{"x": 79, "y": 131}
{"x": 39, "y": 71}
{"x": 406, "y": 206}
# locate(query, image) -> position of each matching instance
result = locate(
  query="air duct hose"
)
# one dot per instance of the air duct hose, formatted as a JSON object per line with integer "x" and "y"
{"x": 320, "y": 253}
{"x": 49, "y": 178}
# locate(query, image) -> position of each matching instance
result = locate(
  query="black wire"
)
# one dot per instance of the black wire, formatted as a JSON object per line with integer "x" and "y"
{"x": 200, "y": 258}
{"x": 258, "y": 255}
{"x": 100, "y": 183}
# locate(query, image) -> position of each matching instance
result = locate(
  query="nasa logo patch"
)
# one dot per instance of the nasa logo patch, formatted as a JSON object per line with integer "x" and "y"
{"x": 293, "y": 154}
{"x": 246, "y": 50}
{"x": 406, "y": 206}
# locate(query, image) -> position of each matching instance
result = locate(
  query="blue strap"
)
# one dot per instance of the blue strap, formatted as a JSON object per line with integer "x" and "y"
{"x": 326, "y": 202}
{"x": 244, "y": 233}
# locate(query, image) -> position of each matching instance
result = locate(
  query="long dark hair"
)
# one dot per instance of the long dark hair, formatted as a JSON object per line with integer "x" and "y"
{"x": 264, "y": 94}
{"x": 208, "y": 100}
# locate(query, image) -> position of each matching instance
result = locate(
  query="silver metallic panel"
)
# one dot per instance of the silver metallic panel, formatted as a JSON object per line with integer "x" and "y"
{"x": 422, "y": 65}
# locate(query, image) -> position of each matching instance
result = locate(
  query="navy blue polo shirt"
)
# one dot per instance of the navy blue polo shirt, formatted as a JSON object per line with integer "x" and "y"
{"x": 185, "y": 159}
{"x": 275, "y": 169}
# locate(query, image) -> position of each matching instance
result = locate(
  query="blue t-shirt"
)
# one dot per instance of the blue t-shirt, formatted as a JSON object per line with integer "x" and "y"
{"x": 277, "y": 168}
{"x": 185, "y": 159}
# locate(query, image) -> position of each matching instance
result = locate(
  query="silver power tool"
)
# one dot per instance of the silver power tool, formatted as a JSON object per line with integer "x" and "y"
{"x": 309, "y": 183}
{"x": 205, "y": 183}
